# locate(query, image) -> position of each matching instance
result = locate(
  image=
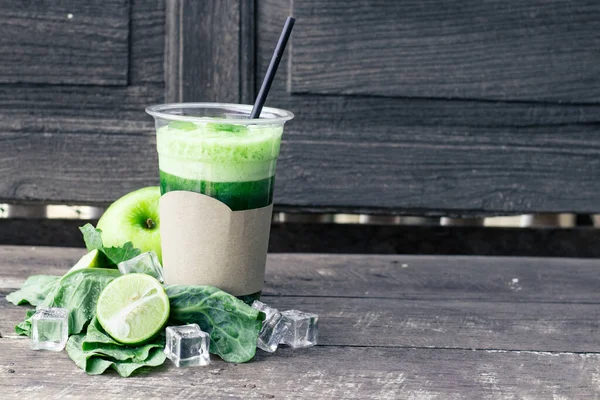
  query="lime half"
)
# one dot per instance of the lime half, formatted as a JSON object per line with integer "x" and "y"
{"x": 133, "y": 308}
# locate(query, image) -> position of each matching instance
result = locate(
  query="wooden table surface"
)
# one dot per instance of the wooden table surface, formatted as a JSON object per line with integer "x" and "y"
{"x": 405, "y": 327}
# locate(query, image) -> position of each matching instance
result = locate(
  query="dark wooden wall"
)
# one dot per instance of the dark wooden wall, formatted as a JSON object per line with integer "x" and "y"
{"x": 454, "y": 107}
{"x": 431, "y": 106}
{"x": 75, "y": 77}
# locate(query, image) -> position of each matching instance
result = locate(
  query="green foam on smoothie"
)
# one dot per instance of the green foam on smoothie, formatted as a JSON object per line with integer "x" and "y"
{"x": 253, "y": 143}
{"x": 219, "y": 151}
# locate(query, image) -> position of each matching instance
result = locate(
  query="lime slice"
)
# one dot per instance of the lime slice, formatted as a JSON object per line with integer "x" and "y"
{"x": 90, "y": 260}
{"x": 133, "y": 308}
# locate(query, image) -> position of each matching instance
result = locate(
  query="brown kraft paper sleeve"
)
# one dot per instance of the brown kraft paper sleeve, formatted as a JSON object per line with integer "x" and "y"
{"x": 205, "y": 243}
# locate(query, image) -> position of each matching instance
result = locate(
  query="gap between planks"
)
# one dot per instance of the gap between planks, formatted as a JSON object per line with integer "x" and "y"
{"x": 432, "y": 348}
{"x": 5, "y": 289}
{"x": 408, "y": 298}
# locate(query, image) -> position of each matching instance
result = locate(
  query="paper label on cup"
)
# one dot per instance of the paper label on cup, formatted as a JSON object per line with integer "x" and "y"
{"x": 205, "y": 243}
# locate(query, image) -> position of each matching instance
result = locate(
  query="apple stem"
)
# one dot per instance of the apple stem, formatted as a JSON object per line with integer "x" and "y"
{"x": 150, "y": 224}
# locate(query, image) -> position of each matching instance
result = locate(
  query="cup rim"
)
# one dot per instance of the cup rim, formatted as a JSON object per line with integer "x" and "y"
{"x": 269, "y": 115}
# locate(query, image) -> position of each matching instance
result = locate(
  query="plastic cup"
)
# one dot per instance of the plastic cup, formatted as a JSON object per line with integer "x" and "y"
{"x": 216, "y": 150}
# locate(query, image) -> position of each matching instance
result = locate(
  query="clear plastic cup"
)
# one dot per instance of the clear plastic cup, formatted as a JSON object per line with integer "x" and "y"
{"x": 217, "y": 150}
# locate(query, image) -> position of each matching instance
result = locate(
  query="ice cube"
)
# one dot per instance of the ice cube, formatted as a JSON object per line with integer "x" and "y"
{"x": 273, "y": 329}
{"x": 272, "y": 332}
{"x": 50, "y": 329}
{"x": 303, "y": 331}
{"x": 260, "y": 306}
{"x": 146, "y": 263}
{"x": 187, "y": 346}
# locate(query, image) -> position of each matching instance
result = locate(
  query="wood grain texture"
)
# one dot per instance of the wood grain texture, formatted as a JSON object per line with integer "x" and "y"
{"x": 203, "y": 51}
{"x": 405, "y": 301}
{"x": 80, "y": 144}
{"x": 71, "y": 108}
{"x": 428, "y": 156}
{"x": 473, "y": 278}
{"x": 400, "y": 277}
{"x": 469, "y": 325}
{"x": 464, "y": 174}
{"x": 247, "y": 50}
{"x": 147, "y": 42}
{"x": 434, "y": 157}
{"x": 321, "y": 372}
{"x": 495, "y": 50}
{"x": 101, "y": 166}
{"x": 371, "y": 346}
{"x": 19, "y": 262}
{"x": 367, "y": 322}
{"x": 65, "y": 42}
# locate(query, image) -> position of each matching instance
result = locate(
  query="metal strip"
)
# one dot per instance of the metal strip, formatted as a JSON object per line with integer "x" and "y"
{"x": 58, "y": 211}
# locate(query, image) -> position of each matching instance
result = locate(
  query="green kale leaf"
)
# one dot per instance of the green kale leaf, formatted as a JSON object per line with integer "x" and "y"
{"x": 95, "y": 352}
{"x": 77, "y": 291}
{"x": 34, "y": 290}
{"x": 233, "y": 325}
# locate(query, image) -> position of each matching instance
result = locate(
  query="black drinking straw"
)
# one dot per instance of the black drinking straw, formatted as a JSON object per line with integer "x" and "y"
{"x": 277, "y": 54}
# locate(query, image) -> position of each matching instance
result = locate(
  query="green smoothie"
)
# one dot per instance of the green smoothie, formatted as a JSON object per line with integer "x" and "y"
{"x": 234, "y": 164}
{"x": 216, "y": 150}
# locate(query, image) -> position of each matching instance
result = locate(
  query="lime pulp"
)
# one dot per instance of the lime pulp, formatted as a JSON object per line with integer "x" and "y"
{"x": 133, "y": 308}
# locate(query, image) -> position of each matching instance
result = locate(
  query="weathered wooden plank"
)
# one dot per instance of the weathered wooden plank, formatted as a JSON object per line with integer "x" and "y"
{"x": 19, "y": 262}
{"x": 529, "y": 50}
{"x": 509, "y": 170}
{"x": 480, "y": 324}
{"x": 114, "y": 109}
{"x": 360, "y": 354}
{"x": 147, "y": 38}
{"x": 11, "y": 316}
{"x": 64, "y": 42}
{"x": 247, "y": 52}
{"x": 422, "y": 174}
{"x": 202, "y": 53}
{"x": 383, "y": 117}
{"x": 474, "y": 324}
{"x": 320, "y": 372}
{"x": 465, "y": 302}
{"x": 492, "y": 146}
{"x": 379, "y": 119}
{"x": 402, "y": 277}
{"x": 429, "y": 156}
{"x": 72, "y": 108}
{"x": 511, "y": 279}
{"x": 35, "y": 116}
{"x": 74, "y": 167}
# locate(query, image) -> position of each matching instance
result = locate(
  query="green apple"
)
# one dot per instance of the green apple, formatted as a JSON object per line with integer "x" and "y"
{"x": 133, "y": 218}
